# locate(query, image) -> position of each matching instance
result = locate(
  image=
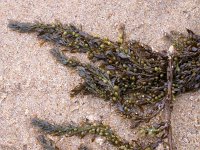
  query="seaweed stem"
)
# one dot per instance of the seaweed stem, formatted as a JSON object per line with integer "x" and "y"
{"x": 168, "y": 105}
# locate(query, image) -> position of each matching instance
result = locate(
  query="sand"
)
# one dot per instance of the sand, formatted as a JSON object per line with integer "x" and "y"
{"x": 33, "y": 84}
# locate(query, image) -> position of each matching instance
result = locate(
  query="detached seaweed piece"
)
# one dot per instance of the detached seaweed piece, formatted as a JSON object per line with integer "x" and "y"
{"x": 47, "y": 143}
{"x": 83, "y": 147}
{"x": 130, "y": 75}
{"x": 101, "y": 130}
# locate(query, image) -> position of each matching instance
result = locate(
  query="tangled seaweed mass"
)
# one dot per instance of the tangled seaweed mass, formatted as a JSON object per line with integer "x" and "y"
{"x": 130, "y": 75}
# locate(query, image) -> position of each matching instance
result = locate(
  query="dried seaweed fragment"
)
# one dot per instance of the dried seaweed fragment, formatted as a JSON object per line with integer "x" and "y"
{"x": 47, "y": 143}
{"x": 83, "y": 147}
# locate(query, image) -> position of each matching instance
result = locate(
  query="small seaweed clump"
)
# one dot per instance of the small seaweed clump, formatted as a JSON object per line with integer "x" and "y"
{"x": 130, "y": 75}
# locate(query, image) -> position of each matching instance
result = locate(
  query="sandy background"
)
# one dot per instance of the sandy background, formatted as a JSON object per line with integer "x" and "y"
{"x": 33, "y": 84}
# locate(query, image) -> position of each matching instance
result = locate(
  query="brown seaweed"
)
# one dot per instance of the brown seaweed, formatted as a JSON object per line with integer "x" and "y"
{"x": 47, "y": 143}
{"x": 138, "y": 81}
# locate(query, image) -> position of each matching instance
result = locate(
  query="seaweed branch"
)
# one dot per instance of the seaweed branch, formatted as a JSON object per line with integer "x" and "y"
{"x": 101, "y": 130}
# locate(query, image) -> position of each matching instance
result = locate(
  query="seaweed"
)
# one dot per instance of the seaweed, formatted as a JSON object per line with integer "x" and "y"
{"x": 102, "y": 130}
{"x": 83, "y": 147}
{"x": 47, "y": 143}
{"x": 138, "y": 81}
